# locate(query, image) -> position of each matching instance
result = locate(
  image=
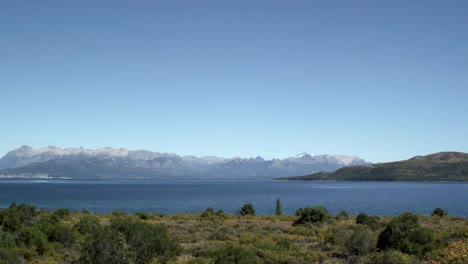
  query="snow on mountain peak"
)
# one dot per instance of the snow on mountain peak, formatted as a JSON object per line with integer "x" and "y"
{"x": 298, "y": 156}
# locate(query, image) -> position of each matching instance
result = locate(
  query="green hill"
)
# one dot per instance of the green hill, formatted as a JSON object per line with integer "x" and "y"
{"x": 442, "y": 166}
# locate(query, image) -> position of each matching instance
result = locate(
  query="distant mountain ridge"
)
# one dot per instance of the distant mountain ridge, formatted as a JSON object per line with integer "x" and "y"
{"x": 441, "y": 166}
{"x": 122, "y": 163}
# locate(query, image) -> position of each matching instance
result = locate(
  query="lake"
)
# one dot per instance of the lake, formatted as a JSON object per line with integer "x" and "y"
{"x": 187, "y": 196}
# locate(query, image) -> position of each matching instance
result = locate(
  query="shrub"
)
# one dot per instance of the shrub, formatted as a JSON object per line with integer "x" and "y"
{"x": 9, "y": 257}
{"x": 62, "y": 234}
{"x": 55, "y": 231}
{"x": 439, "y": 212}
{"x": 143, "y": 215}
{"x": 232, "y": 254}
{"x": 247, "y": 209}
{"x": 147, "y": 241}
{"x": 391, "y": 257}
{"x": 316, "y": 214}
{"x": 87, "y": 225}
{"x": 455, "y": 252}
{"x": 62, "y": 213}
{"x": 32, "y": 237}
{"x": 7, "y": 240}
{"x": 16, "y": 216}
{"x": 299, "y": 211}
{"x": 365, "y": 219}
{"x": 404, "y": 233}
{"x": 106, "y": 245}
{"x": 360, "y": 242}
{"x": 209, "y": 213}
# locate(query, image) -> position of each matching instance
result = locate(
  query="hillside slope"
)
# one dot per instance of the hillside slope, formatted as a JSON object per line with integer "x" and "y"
{"x": 442, "y": 166}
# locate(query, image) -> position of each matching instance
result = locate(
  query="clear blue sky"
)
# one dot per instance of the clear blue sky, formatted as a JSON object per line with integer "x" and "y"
{"x": 383, "y": 80}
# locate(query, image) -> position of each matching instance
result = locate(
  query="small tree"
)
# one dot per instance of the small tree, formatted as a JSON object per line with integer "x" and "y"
{"x": 439, "y": 212}
{"x": 247, "y": 209}
{"x": 278, "y": 207}
{"x": 209, "y": 213}
{"x": 404, "y": 233}
{"x": 107, "y": 245}
{"x": 360, "y": 242}
{"x": 365, "y": 219}
{"x": 317, "y": 214}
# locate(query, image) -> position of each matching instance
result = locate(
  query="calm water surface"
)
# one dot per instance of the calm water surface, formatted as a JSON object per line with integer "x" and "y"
{"x": 186, "y": 196}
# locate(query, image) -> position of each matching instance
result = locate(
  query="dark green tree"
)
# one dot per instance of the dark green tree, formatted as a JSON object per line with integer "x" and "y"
{"x": 31, "y": 237}
{"x": 13, "y": 218}
{"x": 147, "y": 241}
{"x": 439, "y": 212}
{"x": 405, "y": 234}
{"x": 278, "y": 207}
{"x": 106, "y": 245}
{"x": 365, "y": 219}
{"x": 317, "y": 214}
{"x": 247, "y": 209}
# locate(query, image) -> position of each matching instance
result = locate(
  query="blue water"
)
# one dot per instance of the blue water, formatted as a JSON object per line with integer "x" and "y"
{"x": 186, "y": 196}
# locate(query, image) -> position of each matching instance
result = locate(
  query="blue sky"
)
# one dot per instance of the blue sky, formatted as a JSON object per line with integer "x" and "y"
{"x": 383, "y": 80}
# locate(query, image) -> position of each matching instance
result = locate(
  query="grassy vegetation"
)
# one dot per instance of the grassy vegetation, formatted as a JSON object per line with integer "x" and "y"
{"x": 312, "y": 236}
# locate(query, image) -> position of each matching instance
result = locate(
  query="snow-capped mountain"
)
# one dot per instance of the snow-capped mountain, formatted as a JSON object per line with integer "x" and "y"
{"x": 82, "y": 163}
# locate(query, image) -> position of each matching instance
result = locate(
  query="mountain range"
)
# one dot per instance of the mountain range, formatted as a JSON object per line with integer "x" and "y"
{"x": 107, "y": 163}
{"x": 441, "y": 166}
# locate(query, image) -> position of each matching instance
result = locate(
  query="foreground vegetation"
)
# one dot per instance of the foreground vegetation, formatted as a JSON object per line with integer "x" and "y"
{"x": 312, "y": 235}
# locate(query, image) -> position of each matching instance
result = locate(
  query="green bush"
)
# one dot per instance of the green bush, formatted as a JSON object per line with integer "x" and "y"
{"x": 87, "y": 225}
{"x": 247, "y": 209}
{"x": 9, "y": 257}
{"x": 147, "y": 241}
{"x": 7, "y": 240}
{"x": 299, "y": 211}
{"x": 317, "y": 214}
{"x": 31, "y": 237}
{"x": 106, "y": 245}
{"x": 62, "y": 234}
{"x": 209, "y": 213}
{"x": 234, "y": 254}
{"x": 13, "y": 218}
{"x": 56, "y": 231}
{"x": 360, "y": 242}
{"x": 143, "y": 215}
{"x": 439, "y": 212}
{"x": 62, "y": 213}
{"x": 391, "y": 257}
{"x": 365, "y": 219}
{"x": 404, "y": 233}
